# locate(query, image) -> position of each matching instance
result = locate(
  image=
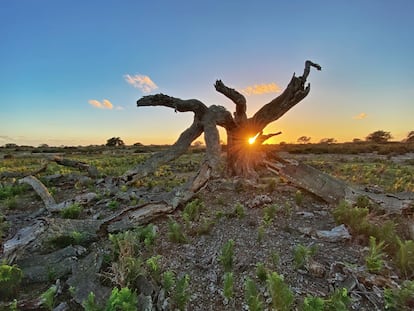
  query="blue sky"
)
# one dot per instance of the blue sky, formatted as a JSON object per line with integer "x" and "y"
{"x": 65, "y": 66}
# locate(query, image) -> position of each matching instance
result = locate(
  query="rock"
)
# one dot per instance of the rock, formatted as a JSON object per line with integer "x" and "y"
{"x": 144, "y": 286}
{"x": 337, "y": 234}
{"x": 85, "y": 278}
{"x": 259, "y": 201}
{"x": 144, "y": 302}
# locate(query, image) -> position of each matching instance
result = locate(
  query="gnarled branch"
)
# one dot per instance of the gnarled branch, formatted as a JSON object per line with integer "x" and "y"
{"x": 293, "y": 94}
{"x": 237, "y": 98}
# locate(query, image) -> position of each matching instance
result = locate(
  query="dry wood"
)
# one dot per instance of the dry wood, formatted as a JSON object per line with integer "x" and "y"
{"x": 82, "y": 166}
{"x": 40, "y": 189}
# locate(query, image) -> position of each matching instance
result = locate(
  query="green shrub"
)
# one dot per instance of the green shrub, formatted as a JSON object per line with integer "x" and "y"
{"x": 313, "y": 304}
{"x": 405, "y": 257}
{"x": 168, "y": 280}
{"x": 175, "y": 233}
{"x": 374, "y": 259}
{"x": 269, "y": 213}
{"x": 302, "y": 254}
{"x": 181, "y": 295}
{"x": 400, "y": 299}
{"x": 226, "y": 257}
{"x": 228, "y": 285}
{"x": 72, "y": 212}
{"x": 4, "y": 226}
{"x": 192, "y": 210}
{"x": 113, "y": 205}
{"x": 338, "y": 301}
{"x": 147, "y": 234}
{"x": 299, "y": 197}
{"x": 252, "y": 296}
{"x": 239, "y": 211}
{"x": 122, "y": 300}
{"x": 282, "y": 295}
{"x": 10, "y": 278}
{"x": 261, "y": 271}
{"x": 48, "y": 297}
{"x": 89, "y": 303}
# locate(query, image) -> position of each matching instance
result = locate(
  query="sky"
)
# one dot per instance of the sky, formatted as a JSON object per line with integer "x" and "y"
{"x": 71, "y": 71}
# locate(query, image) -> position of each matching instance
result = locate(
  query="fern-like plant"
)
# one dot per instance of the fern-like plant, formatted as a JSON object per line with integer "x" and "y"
{"x": 226, "y": 257}
{"x": 228, "y": 285}
{"x": 374, "y": 259}
{"x": 282, "y": 295}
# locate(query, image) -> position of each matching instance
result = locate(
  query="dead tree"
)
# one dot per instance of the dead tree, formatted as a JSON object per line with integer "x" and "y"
{"x": 243, "y": 156}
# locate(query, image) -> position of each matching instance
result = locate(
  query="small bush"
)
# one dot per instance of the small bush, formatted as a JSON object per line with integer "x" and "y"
{"x": 252, "y": 296}
{"x": 226, "y": 257}
{"x": 10, "y": 278}
{"x": 228, "y": 285}
{"x": 299, "y": 197}
{"x": 192, "y": 210}
{"x": 175, "y": 233}
{"x": 374, "y": 259}
{"x": 400, "y": 299}
{"x": 89, "y": 303}
{"x": 168, "y": 280}
{"x": 48, "y": 297}
{"x": 122, "y": 300}
{"x": 302, "y": 253}
{"x": 261, "y": 271}
{"x": 181, "y": 295}
{"x": 405, "y": 257}
{"x": 72, "y": 212}
{"x": 269, "y": 213}
{"x": 282, "y": 295}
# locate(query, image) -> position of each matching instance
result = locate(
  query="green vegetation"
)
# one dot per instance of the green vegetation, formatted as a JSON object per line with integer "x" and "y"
{"x": 261, "y": 271}
{"x": 226, "y": 257}
{"x": 302, "y": 254}
{"x": 228, "y": 285}
{"x": 127, "y": 265}
{"x": 89, "y": 304}
{"x": 374, "y": 259}
{"x": 405, "y": 257}
{"x": 260, "y": 233}
{"x": 282, "y": 295}
{"x": 113, "y": 204}
{"x": 339, "y": 300}
{"x": 4, "y": 226}
{"x": 252, "y": 296}
{"x": 181, "y": 295}
{"x": 73, "y": 211}
{"x": 400, "y": 299}
{"x": 9, "y": 191}
{"x": 299, "y": 197}
{"x": 168, "y": 280}
{"x": 238, "y": 210}
{"x": 122, "y": 300}
{"x": 192, "y": 210}
{"x": 48, "y": 297}
{"x": 10, "y": 279}
{"x": 269, "y": 213}
{"x": 153, "y": 264}
{"x": 176, "y": 233}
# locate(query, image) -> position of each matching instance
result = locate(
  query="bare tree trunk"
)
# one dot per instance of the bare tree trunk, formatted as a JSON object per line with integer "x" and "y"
{"x": 242, "y": 157}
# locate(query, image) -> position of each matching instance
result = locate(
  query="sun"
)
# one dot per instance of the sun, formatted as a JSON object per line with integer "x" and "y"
{"x": 253, "y": 139}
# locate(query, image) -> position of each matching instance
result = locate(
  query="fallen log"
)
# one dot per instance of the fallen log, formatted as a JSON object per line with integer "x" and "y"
{"x": 331, "y": 189}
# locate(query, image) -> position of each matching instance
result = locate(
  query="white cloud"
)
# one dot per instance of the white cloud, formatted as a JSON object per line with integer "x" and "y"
{"x": 142, "y": 82}
{"x": 360, "y": 116}
{"x": 258, "y": 89}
